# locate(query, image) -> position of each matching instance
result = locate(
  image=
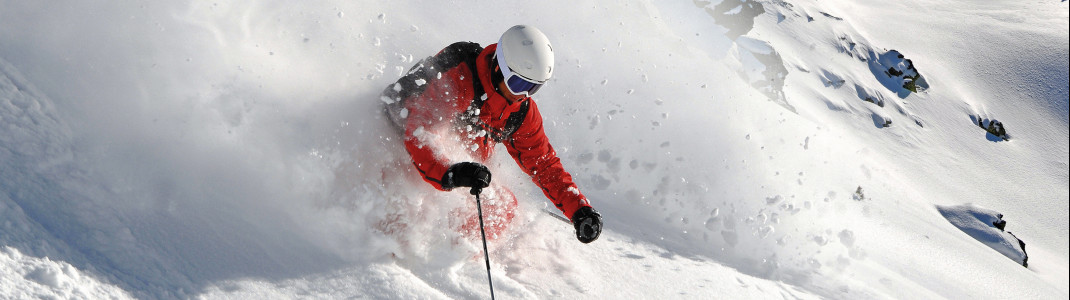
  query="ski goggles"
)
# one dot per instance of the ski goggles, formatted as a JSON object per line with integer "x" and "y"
{"x": 518, "y": 85}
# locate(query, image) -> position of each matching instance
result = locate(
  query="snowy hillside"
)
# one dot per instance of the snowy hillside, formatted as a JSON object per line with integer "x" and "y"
{"x": 736, "y": 149}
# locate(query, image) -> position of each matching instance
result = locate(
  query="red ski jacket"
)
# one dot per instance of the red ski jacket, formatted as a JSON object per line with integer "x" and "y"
{"x": 447, "y": 104}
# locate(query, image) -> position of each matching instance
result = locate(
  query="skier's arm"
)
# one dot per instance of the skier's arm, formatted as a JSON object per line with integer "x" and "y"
{"x": 419, "y": 143}
{"x": 531, "y": 149}
{"x": 423, "y": 89}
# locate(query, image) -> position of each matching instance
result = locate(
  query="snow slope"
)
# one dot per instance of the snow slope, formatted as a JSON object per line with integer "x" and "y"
{"x": 235, "y": 149}
{"x": 41, "y": 278}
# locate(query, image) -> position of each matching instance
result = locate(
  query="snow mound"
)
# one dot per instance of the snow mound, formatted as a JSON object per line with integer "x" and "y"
{"x": 27, "y": 277}
{"x": 986, "y": 226}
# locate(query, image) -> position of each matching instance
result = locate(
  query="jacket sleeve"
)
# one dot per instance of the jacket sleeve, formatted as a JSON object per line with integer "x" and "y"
{"x": 533, "y": 152}
{"x": 420, "y": 141}
{"x": 430, "y": 91}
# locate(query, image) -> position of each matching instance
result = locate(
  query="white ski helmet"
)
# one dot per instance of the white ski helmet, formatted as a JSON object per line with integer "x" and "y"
{"x": 526, "y": 52}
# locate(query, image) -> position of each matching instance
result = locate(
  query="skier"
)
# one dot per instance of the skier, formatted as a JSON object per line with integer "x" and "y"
{"x": 482, "y": 96}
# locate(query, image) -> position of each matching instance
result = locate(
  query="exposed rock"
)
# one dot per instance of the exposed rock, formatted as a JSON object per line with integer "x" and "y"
{"x": 994, "y": 128}
{"x": 899, "y": 74}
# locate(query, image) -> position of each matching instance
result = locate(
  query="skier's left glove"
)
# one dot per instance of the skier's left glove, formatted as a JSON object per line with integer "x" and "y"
{"x": 588, "y": 223}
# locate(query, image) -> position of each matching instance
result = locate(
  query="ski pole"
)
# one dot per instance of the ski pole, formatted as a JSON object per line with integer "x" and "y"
{"x": 486, "y": 255}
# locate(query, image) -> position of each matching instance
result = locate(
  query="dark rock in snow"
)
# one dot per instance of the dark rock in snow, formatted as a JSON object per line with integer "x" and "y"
{"x": 996, "y": 131}
{"x": 897, "y": 73}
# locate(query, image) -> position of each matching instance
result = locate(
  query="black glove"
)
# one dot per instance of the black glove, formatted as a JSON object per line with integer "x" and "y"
{"x": 588, "y": 224}
{"x": 467, "y": 174}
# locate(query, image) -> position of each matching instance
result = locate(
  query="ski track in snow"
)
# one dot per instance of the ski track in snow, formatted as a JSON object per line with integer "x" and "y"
{"x": 237, "y": 150}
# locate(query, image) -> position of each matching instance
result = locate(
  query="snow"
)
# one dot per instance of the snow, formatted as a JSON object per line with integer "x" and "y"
{"x": 986, "y": 226}
{"x": 25, "y": 277}
{"x": 751, "y": 149}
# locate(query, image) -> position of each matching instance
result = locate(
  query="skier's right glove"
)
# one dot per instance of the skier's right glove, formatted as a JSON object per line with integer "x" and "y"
{"x": 588, "y": 224}
{"x": 467, "y": 174}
